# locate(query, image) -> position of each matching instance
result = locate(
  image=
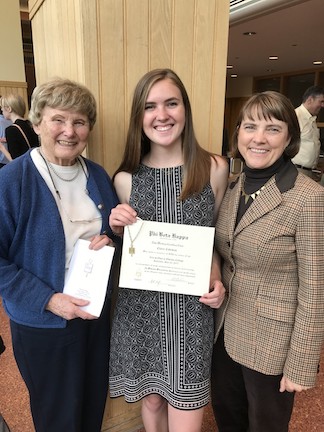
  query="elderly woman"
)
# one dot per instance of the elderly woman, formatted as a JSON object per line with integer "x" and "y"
{"x": 270, "y": 235}
{"x": 50, "y": 198}
{"x": 20, "y": 136}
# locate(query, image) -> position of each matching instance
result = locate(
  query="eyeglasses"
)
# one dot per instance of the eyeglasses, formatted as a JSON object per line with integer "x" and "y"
{"x": 78, "y": 221}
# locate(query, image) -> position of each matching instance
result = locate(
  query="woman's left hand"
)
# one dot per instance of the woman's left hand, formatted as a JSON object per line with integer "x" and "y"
{"x": 215, "y": 297}
{"x": 289, "y": 386}
{"x": 100, "y": 241}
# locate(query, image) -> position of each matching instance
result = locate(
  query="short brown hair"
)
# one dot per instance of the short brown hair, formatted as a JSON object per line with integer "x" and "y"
{"x": 270, "y": 104}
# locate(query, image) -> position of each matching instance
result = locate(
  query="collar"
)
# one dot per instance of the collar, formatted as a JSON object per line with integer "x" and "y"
{"x": 307, "y": 113}
{"x": 285, "y": 178}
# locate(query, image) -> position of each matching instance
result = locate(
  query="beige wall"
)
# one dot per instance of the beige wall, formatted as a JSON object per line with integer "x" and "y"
{"x": 12, "y": 70}
{"x": 109, "y": 44}
{"x": 11, "y": 49}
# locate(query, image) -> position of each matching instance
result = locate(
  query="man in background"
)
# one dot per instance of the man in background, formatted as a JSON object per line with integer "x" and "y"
{"x": 310, "y": 146}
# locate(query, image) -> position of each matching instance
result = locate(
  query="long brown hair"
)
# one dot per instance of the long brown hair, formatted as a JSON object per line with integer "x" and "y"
{"x": 197, "y": 161}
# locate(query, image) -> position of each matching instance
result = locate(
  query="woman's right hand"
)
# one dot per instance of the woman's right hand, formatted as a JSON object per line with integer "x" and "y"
{"x": 120, "y": 216}
{"x": 68, "y": 307}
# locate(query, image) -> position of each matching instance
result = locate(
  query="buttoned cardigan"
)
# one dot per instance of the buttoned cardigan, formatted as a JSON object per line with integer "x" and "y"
{"x": 32, "y": 242}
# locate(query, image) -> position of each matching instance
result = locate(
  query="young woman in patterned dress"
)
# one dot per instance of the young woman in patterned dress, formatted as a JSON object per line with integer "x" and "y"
{"x": 162, "y": 342}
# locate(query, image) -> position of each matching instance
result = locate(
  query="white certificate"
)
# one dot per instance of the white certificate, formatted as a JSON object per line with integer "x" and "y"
{"x": 167, "y": 257}
{"x": 88, "y": 275}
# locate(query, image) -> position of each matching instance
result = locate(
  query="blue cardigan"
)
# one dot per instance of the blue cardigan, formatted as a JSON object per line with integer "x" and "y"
{"x": 32, "y": 241}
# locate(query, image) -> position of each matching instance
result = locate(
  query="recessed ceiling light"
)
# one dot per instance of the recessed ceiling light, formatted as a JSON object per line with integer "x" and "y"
{"x": 318, "y": 62}
{"x": 233, "y": 76}
{"x": 273, "y": 58}
{"x": 249, "y": 33}
{"x": 229, "y": 66}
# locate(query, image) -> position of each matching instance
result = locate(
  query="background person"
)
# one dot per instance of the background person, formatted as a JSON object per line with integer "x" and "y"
{"x": 270, "y": 236}
{"x": 4, "y": 154}
{"x": 162, "y": 342}
{"x": 20, "y": 136}
{"x": 61, "y": 350}
{"x": 310, "y": 146}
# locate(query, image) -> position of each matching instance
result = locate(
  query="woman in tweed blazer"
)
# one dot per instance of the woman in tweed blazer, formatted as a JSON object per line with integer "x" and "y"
{"x": 270, "y": 234}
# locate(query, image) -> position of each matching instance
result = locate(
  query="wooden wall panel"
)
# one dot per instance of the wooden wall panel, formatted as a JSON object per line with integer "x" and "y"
{"x": 111, "y": 82}
{"x": 202, "y": 69}
{"x": 109, "y": 44}
{"x": 218, "y": 77}
{"x": 183, "y": 43}
{"x": 137, "y": 52}
{"x": 160, "y": 33}
{"x": 59, "y": 50}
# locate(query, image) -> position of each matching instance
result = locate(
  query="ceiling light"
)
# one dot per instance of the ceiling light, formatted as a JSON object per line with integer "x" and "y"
{"x": 249, "y": 33}
{"x": 229, "y": 66}
{"x": 273, "y": 58}
{"x": 233, "y": 76}
{"x": 318, "y": 62}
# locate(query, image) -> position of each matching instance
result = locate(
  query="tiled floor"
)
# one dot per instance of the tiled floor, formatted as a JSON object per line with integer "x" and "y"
{"x": 308, "y": 415}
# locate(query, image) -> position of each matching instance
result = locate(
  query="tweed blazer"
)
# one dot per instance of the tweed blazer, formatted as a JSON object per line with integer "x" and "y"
{"x": 273, "y": 272}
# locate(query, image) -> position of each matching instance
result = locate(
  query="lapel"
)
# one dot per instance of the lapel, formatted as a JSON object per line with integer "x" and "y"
{"x": 269, "y": 198}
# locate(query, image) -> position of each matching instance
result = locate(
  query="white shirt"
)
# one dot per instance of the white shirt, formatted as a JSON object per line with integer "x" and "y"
{"x": 310, "y": 145}
{"x": 79, "y": 214}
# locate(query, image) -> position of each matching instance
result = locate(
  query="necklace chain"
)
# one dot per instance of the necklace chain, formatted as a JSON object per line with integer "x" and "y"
{"x": 131, "y": 249}
{"x": 62, "y": 178}
{"x": 48, "y": 166}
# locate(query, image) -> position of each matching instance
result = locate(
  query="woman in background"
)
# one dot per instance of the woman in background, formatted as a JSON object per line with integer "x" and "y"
{"x": 5, "y": 156}
{"x": 20, "y": 136}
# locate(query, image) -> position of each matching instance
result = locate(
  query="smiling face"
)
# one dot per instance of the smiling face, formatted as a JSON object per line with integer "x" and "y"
{"x": 164, "y": 116}
{"x": 262, "y": 141}
{"x": 63, "y": 135}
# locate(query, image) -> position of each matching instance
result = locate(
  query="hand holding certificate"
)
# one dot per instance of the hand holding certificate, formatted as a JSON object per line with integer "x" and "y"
{"x": 88, "y": 275}
{"x": 167, "y": 257}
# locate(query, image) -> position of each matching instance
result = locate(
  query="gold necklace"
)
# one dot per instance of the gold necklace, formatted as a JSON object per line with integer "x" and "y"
{"x": 252, "y": 195}
{"x": 131, "y": 249}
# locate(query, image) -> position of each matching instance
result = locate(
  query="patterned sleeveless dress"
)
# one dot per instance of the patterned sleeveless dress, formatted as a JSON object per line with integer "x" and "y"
{"x": 162, "y": 342}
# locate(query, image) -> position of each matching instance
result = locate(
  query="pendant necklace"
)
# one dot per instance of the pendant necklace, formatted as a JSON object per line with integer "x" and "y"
{"x": 252, "y": 195}
{"x": 131, "y": 249}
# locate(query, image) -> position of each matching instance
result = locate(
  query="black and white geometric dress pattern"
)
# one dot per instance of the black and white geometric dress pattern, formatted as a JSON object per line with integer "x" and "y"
{"x": 162, "y": 342}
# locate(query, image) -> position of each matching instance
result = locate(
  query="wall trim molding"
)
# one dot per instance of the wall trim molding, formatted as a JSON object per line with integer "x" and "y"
{"x": 20, "y": 84}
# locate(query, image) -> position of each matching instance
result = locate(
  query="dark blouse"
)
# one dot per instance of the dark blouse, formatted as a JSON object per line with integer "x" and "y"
{"x": 17, "y": 144}
{"x": 255, "y": 179}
